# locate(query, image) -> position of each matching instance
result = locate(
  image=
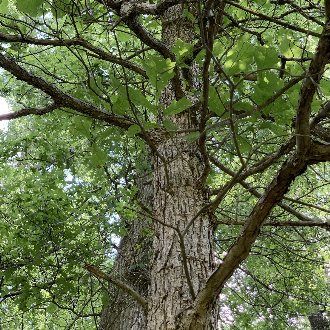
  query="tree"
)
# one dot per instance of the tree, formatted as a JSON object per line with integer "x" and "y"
{"x": 219, "y": 106}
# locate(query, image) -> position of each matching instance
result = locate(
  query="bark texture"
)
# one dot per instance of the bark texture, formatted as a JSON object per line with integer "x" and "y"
{"x": 178, "y": 198}
{"x": 182, "y": 262}
{"x": 132, "y": 266}
{"x": 319, "y": 321}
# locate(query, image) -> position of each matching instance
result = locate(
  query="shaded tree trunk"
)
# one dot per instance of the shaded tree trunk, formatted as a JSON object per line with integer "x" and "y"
{"x": 132, "y": 265}
{"x": 319, "y": 321}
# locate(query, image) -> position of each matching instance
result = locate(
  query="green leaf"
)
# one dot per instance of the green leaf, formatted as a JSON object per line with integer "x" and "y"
{"x": 182, "y": 50}
{"x": 265, "y": 57}
{"x": 120, "y": 105}
{"x": 193, "y": 136}
{"x": 150, "y": 125}
{"x": 244, "y": 106}
{"x": 62, "y": 7}
{"x": 99, "y": 156}
{"x": 30, "y": 7}
{"x": 159, "y": 72}
{"x": 177, "y": 106}
{"x": 124, "y": 36}
{"x": 215, "y": 103}
{"x": 51, "y": 308}
{"x": 138, "y": 98}
{"x": 3, "y": 6}
{"x": 244, "y": 145}
{"x": 133, "y": 130}
{"x": 169, "y": 125}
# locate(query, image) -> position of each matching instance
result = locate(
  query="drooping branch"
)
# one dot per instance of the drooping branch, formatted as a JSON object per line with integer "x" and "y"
{"x": 62, "y": 99}
{"x": 134, "y": 294}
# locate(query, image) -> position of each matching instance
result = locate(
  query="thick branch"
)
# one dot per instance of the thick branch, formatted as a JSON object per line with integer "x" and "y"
{"x": 281, "y": 223}
{"x": 241, "y": 248}
{"x": 132, "y": 7}
{"x": 320, "y": 153}
{"x": 131, "y": 20}
{"x": 324, "y": 113}
{"x": 145, "y": 8}
{"x": 310, "y": 86}
{"x": 146, "y": 37}
{"x": 134, "y": 294}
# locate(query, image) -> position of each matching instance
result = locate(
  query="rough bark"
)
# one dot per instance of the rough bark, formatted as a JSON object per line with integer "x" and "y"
{"x": 177, "y": 200}
{"x": 319, "y": 321}
{"x": 181, "y": 263}
{"x": 132, "y": 265}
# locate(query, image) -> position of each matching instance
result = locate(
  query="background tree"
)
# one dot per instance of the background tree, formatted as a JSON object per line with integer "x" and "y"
{"x": 198, "y": 131}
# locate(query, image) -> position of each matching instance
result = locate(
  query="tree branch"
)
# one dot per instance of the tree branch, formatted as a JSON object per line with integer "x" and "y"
{"x": 324, "y": 113}
{"x": 319, "y": 153}
{"x": 145, "y": 8}
{"x": 130, "y": 17}
{"x": 29, "y": 111}
{"x": 134, "y": 294}
{"x": 255, "y": 192}
{"x": 308, "y": 89}
{"x": 273, "y": 20}
{"x": 62, "y": 99}
{"x": 102, "y": 54}
{"x": 146, "y": 37}
{"x": 281, "y": 223}
{"x": 240, "y": 250}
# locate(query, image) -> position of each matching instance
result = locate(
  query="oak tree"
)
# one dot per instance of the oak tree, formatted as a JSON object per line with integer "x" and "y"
{"x": 198, "y": 131}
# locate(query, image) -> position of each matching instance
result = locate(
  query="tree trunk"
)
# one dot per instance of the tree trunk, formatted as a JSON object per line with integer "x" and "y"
{"x": 178, "y": 198}
{"x": 180, "y": 267}
{"x": 181, "y": 262}
{"x": 319, "y": 321}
